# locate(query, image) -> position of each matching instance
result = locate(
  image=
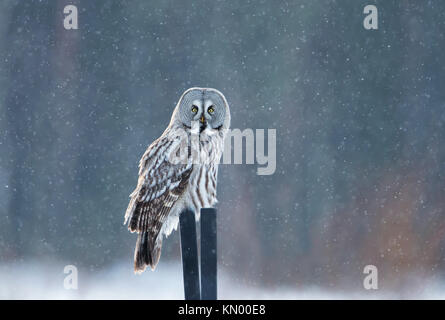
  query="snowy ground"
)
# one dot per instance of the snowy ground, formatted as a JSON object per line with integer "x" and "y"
{"x": 45, "y": 281}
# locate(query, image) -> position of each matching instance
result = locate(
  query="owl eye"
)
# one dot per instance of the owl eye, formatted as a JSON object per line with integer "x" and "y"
{"x": 211, "y": 109}
{"x": 194, "y": 109}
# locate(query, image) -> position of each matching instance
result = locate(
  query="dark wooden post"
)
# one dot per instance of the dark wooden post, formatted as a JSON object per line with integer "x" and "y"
{"x": 189, "y": 249}
{"x": 208, "y": 254}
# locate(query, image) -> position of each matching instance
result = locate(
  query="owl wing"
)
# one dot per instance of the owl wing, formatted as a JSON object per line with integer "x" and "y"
{"x": 161, "y": 182}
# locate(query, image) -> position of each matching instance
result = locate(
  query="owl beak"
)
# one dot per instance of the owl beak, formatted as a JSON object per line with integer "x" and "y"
{"x": 202, "y": 119}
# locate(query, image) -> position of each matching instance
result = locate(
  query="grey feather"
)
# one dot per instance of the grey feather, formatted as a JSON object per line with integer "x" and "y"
{"x": 165, "y": 188}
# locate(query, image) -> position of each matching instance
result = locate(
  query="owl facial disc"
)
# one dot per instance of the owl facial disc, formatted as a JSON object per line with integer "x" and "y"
{"x": 208, "y": 106}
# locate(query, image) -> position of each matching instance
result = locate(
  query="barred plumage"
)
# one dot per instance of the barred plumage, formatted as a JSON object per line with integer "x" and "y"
{"x": 178, "y": 171}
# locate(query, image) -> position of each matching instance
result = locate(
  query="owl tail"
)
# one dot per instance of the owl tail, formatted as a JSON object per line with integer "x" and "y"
{"x": 147, "y": 252}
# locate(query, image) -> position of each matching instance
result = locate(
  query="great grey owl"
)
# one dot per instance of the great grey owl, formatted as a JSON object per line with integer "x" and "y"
{"x": 178, "y": 171}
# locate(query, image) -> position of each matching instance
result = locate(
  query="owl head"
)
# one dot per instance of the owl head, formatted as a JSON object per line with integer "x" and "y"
{"x": 204, "y": 106}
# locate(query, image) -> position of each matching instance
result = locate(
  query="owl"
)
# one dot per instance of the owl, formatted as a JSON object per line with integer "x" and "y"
{"x": 178, "y": 171}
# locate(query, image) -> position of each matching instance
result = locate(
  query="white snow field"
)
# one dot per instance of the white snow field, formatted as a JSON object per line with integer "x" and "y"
{"x": 37, "y": 280}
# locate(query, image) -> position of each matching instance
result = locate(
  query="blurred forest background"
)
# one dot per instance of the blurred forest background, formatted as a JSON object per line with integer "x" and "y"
{"x": 359, "y": 116}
